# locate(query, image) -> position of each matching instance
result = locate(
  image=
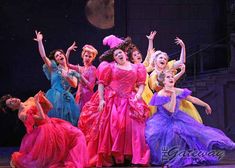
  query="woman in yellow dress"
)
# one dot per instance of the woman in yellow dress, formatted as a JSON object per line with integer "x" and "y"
{"x": 160, "y": 63}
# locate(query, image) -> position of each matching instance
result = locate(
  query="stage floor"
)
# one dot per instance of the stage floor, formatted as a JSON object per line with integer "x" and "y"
{"x": 227, "y": 162}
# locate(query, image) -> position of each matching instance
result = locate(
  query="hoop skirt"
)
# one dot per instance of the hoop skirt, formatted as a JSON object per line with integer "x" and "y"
{"x": 117, "y": 131}
{"x": 50, "y": 142}
{"x": 177, "y": 140}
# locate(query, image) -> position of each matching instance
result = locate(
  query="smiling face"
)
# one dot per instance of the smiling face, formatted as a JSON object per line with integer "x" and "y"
{"x": 120, "y": 56}
{"x": 169, "y": 80}
{"x": 60, "y": 57}
{"x": 87, "y": 58}
{"x": 13, "y": 103}
{"x": 161, "y": 61}
{"x": 136, "y": 57}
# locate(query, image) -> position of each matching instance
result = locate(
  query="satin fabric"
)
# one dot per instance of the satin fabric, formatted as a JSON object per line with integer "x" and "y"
{"x": 117, "y": 132}
{"x": 49, "y": 143}
{"x": 176, "y": 139}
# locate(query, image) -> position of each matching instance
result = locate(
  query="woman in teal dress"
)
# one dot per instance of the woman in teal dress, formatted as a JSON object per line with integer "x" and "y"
{"x": 62, "y": 79}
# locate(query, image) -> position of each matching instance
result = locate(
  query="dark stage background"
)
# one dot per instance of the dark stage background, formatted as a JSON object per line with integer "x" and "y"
{"x": 206, "y": 26}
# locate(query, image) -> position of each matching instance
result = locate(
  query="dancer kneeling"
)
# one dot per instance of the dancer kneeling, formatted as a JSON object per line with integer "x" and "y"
{"x": 176, "y": 139}
{"x": 49, "y": 142}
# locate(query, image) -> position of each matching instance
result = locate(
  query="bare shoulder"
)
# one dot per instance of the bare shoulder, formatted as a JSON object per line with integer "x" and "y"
{"x": 178, "y": 91}
{"x": 22, "y": 115}
{"x": 161, "y": 93}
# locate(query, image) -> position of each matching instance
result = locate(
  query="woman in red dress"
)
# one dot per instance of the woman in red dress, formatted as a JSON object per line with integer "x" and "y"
{"x": 49, "y": 142}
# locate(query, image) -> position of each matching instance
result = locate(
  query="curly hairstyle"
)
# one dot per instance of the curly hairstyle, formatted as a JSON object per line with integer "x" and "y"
{"x": 89, "y": 48}
{"x": 130, "y": 51}
{"x": 108, "y": 55}
{"x": 3, "y": 106}
{"x": 157, "y": 53}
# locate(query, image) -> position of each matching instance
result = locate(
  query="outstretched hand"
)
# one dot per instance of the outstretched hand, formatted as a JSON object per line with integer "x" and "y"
{"x": 151, "y": 35}
{"x": 180, "y": 42}
{"x": 73, "y": 47}
{"x": 39, "y": 36}
{"x": 208, "y": 109}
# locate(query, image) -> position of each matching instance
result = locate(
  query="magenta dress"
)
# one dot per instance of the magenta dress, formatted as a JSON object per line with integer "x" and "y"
{"x": 51, "y": 142}
{"x": 85, "y": 91}
{"x": 117, "y": 132}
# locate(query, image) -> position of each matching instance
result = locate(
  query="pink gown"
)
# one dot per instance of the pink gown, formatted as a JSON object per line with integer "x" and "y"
{"x": 50, "y": 143}
{"x": 118, "y": 131}
{"x": 85, "y": 91}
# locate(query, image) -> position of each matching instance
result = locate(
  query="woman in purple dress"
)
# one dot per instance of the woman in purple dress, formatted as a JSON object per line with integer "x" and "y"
{"x": 176, "y": 139}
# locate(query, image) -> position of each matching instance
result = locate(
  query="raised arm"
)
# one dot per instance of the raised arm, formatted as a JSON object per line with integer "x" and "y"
{"x": 150, "y": 50}
{"x": 182, "y": 71}
{"x": 41, "y": 49}
{"x": 182, "y": 59}
{"x": 40, "y": 115}
{"x": 73, "y": 47}
{"x": 199, "y": 102}
{"x": 148, "y": 61}
{"x": 151, "y": 37}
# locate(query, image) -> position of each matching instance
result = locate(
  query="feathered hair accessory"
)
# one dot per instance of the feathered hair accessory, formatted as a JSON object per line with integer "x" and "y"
{"x": 114, "y": 43}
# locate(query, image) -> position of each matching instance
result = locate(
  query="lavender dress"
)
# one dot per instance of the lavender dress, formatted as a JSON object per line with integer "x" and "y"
{"x": 177, "y": 140}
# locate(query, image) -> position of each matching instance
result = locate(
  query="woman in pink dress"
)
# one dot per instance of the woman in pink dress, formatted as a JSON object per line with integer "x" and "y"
{"x": 87, "y": 72}
{"x": 113, "y": 121}
{"x": 49, "y": 142}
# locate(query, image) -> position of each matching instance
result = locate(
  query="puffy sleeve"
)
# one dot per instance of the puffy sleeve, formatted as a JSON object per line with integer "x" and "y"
{"x": 47, "y": 71}
{"x": 104, "y": 73}
{"x": 158, "y": 100}
{"x": 170, "y": 64}
{"x": 153, "y": 83}
{"x": 186, "y": 92}
{"x": 141, "y": 73}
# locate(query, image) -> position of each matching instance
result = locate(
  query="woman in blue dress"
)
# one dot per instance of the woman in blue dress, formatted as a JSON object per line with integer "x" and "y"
{"x": 176, "y": 139}
{"x": 62, "y": 79}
